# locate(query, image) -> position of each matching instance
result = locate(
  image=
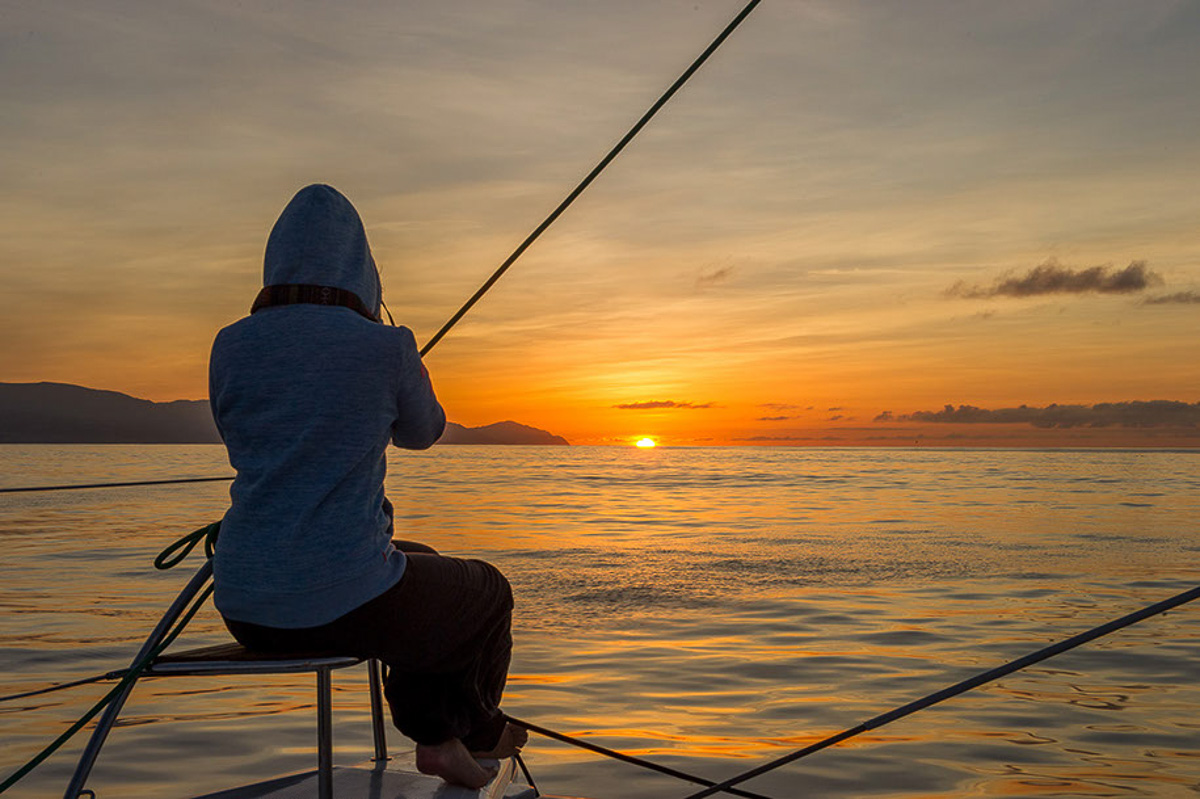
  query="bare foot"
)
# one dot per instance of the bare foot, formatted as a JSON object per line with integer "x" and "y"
{"x": 452, "y": 762}
{"x": 511, "y": 741}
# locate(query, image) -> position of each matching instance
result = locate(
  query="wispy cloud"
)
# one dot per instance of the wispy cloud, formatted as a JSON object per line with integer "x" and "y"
{"x": 1138, "y": 413}
{"x": 714, "y": 276}
{"x": 1178, "y": 298}
{"x": 1052, "y": 277}
{"x": 774, "y": 418}
{"x": 654, "y": 405}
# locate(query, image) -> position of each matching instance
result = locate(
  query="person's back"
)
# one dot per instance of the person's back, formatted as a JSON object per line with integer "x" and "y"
{"x": 307, "y": 393}
{"x": 307, "y": 397}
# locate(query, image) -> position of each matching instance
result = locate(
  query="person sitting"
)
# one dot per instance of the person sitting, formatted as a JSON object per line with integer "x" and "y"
{"x": 307, "y": 393}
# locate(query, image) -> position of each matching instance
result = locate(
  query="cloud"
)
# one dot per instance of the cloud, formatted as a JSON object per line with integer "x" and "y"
{"x": 654, "y": 405}
{"x": 774, "y": 418}
{"x": 779, "y": 406}
{"x": 1053, "y": 278}
{"x": 1152, "y": 413}
{"x": 1179, "y": 297}
{"x": 714, "y": 277}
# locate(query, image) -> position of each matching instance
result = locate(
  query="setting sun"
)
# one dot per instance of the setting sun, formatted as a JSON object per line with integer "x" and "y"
{"x": 646, "y": 443}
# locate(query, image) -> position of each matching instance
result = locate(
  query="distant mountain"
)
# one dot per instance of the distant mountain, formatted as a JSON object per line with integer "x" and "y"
{"x": 499, "y": 433}
{"x": 60, "y": 413}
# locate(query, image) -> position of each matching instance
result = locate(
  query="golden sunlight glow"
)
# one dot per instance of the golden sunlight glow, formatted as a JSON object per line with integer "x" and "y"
{"x": 756, "y": 316}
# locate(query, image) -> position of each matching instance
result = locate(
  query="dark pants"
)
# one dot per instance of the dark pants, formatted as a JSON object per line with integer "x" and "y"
{"x": 444, "y": 632}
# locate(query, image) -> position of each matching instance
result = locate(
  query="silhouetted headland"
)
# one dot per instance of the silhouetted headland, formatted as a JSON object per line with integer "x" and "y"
{"x": 61, "y": 413}
{"x": 499, "y": 433}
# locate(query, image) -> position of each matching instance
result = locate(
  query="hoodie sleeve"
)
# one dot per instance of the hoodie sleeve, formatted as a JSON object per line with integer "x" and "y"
{"x": 420, "y": 419}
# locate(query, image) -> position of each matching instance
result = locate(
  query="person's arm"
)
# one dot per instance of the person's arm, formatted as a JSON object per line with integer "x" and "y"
{"x": 420, "y": 419}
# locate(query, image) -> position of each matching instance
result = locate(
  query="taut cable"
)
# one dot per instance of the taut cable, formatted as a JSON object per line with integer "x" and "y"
{"x": 175, "y": 481}
{"x": 635, "y": 761}
{"x": 958, "y": 688}
{"x": 583, "y": 184}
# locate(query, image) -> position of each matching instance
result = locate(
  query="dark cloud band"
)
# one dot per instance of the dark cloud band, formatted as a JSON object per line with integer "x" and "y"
{"x": 1054, "y": 278}
{"x": 1152, "y": 413}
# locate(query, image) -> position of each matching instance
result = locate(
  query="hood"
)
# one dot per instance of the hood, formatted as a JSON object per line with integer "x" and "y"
{"x": 319, "y": 239}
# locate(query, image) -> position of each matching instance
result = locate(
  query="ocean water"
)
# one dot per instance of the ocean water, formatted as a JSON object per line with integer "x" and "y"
{"x": 709, "y": 609}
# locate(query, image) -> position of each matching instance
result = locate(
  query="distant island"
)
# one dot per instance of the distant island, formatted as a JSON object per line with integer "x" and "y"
{"x": 500, "y": 433}
{"x": 61, "y": 413}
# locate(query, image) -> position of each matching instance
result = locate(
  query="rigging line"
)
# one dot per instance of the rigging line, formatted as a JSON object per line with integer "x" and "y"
{"x": 112, "y": 675}
{"x": 636, "y": 761}
{"x": 114, "y": 485}
{"x": 962, "y": 687}
{"x": 583, "y": 184}
{"x": 525, "y": 771}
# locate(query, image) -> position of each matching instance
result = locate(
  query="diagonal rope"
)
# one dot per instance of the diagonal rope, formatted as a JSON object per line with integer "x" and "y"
{"x": 636, "y": 761}
{"x": 112, "y": 675}
{"x": 583, "y": 184}
{"x": 958, "y": 688}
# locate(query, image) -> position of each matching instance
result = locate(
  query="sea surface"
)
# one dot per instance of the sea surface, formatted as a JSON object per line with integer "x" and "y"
{"x": 706, "y": 608}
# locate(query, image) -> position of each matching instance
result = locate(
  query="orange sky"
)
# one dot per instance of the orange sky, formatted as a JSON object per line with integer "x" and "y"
{"x": 772, "y": 261}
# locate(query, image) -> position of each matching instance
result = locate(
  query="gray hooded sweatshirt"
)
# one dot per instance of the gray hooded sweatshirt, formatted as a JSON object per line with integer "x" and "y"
{"x": 306, "y": 397}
